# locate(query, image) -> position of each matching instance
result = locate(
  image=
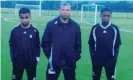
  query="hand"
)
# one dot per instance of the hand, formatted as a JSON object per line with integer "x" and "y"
{"x": 37, "y": 59}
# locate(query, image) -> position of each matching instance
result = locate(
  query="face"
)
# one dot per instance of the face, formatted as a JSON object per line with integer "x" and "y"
{"x": 65, "y": 11}
{"x": 106, "y": 16}
{"x": 25, "y": 19}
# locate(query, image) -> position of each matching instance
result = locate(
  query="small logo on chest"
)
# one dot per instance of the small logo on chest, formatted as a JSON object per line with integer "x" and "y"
{"x": 30, "y": 36}
{"x": 104, "y": 31}
{"x": 24, "y": 32}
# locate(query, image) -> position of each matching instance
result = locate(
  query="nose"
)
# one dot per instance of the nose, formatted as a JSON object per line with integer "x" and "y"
{"x": 24, "y": 20}
{"x": 106, "y": 17}
{"x": 65, "y": 11}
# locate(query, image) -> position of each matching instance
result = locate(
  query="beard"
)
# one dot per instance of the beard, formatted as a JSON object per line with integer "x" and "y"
{"x": 64, "y": 17}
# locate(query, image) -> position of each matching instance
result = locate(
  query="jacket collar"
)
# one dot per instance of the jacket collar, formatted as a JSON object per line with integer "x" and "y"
{"x": 60, "y": 23}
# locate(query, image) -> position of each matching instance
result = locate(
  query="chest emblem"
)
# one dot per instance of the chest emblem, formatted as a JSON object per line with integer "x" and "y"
{"x": 24, "y": 32}
{"x": 30, "y": 36}
{"x": 104, "y": 31}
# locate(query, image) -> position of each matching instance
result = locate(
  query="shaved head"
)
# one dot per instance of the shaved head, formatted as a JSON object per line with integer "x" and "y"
{"x": 65, "y": 10}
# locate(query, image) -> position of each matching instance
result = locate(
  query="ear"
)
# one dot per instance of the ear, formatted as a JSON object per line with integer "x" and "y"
{"x": 30, "y": 16}
{"x": 100, "y": 15}
{"x": 111, "y": 15}
{"x": 59, "y": 11}
{"x": 19, "y": 15}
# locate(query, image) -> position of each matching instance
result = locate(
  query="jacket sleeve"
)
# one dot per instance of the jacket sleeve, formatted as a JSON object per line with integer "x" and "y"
{"x": 91, "y": 43}
{"x": 46, "y": 41}
{"x": 37, "y": 44}
{"x": 117, "y": 43}
{"x": 78, "y": 44}
{"x": 11, "y": 45}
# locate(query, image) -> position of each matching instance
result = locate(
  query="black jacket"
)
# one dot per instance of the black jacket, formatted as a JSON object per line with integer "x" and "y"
{"x": 62, "y": 42}
{"x": 24, "y": 44}
{"x": 104, "y": 43}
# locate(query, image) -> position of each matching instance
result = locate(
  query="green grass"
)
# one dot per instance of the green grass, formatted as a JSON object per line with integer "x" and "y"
{"x": 83, "y": 71}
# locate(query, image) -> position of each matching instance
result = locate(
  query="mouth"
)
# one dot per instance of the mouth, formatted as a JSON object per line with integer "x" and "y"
{"x": 65, "y": 16}
{"x": 24, "y": 24}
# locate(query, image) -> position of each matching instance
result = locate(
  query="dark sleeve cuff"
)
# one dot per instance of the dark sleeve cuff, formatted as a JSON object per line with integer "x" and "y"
{"x": 78, "y": 57}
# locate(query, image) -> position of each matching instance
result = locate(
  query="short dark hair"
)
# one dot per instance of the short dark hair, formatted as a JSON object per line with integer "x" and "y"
{"x": 24, "y": 10}
{"x": 65, "y": 4}
{"x": 106, "y": 9}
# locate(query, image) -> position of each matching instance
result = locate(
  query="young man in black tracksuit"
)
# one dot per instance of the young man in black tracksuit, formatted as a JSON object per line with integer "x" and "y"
{"x": 24, "y": 47}
{"x": 104, "y": 45}
{"x": 61, "y": 44}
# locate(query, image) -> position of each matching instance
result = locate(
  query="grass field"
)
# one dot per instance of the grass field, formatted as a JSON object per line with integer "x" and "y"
{"x": 83, "y": 71}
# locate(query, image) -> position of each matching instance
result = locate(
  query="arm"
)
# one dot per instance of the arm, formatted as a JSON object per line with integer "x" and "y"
{"x": 91, "y": 43}
{"x": 46, "y": 41}
{"x": 37, "y": 46}
{"x": 117, "y": 44}
{"x": 11, "y": 45}
{"x": 78, "y": 43}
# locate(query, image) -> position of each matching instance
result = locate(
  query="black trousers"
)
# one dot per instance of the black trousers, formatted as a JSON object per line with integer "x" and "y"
{"x": 69, "y": 74}
{"x": 18, "y": 70}
{"x": 109, "y": 69}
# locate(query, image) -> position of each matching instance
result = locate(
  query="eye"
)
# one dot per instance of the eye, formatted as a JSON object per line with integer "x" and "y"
{"x": 24, "y": 17}
{"x": 21, "y": 17}
{"x": 63, "y": 10}
{"x": 106, "y": 15}
{"x": 67, "y": 9}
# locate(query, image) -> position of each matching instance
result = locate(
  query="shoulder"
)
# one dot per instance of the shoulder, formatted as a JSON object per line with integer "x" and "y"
{"x": 75, "y": 23}
{"x": 51, "y": 23}
{"x": 35, "y": 28}
{"x": 54, "y": 21}
{"x": 15, "y": 28}
{"x": 95, "y": 26}
{"x": 115, "y": 26}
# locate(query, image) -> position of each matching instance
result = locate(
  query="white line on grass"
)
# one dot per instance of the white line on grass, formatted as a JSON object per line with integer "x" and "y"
{"x": 129, "y": 29}
{"x": 124, "y": 30}
{"x": 6, "y": 19}
{"x": 10, "y": 20}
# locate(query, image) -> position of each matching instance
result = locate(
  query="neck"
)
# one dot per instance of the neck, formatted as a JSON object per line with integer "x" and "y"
{"x": 64, "y": 20}
{"x": 105, "y": 23}
{"x": 25, "y": 26}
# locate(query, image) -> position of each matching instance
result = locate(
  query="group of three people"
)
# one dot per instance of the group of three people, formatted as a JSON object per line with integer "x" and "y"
{"x": 61, "y": 43}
